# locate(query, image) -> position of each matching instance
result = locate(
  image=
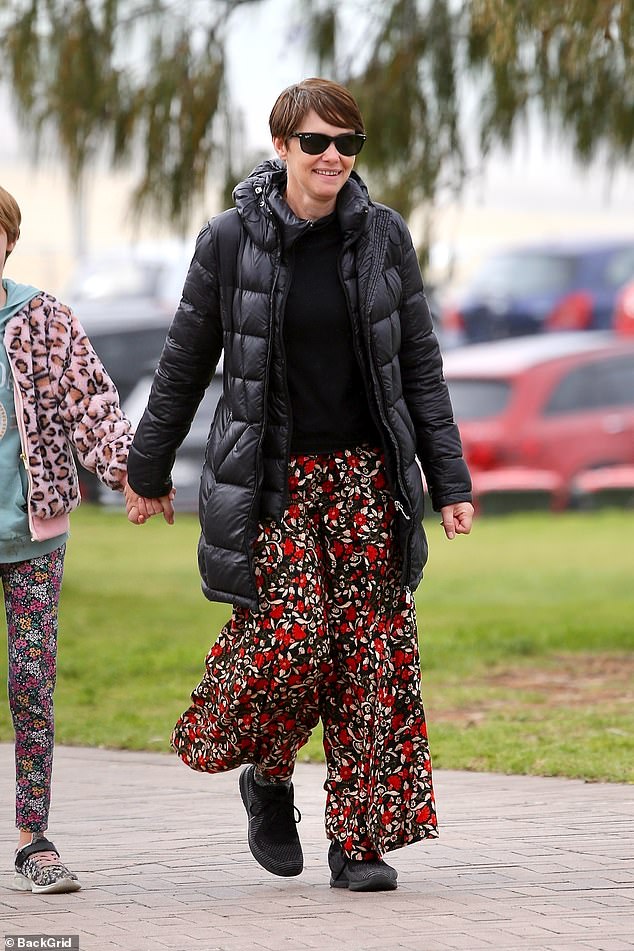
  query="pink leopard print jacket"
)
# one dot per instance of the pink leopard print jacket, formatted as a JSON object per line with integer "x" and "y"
{"x": 63, "y": 396}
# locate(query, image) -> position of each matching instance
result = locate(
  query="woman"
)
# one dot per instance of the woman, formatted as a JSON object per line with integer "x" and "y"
{"x": 54, "y": 392}
{"x": 311, "y": 495}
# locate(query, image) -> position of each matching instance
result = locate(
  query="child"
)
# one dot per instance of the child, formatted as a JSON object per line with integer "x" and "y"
{"x": 54, "y": 393}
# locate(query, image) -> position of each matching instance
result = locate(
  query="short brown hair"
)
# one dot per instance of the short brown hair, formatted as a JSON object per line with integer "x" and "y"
{"x": 10, "y": 216}
{"x": 332, "y": 103}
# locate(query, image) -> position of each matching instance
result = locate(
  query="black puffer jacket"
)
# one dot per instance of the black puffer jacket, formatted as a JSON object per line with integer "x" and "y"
{"x": 233, "y": 303}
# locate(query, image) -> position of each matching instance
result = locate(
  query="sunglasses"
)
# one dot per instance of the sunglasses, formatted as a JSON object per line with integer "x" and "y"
{"x": 314, "y": 143}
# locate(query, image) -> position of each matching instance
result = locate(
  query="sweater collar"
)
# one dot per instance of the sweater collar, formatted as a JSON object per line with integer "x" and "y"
{"x": 265, "y": 214}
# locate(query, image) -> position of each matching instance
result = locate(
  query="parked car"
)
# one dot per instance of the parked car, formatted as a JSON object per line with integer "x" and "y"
{"x": 125, "y": 300}
{"x": 128, "y": 335}
{"x": 563, "y": 403}
{"x": 624, "y": 310}
{"x": 515, "y": 489}
{"x": 189, "y": 458}
{"x": 606, "y": 487}
{"x": 555, "y": 286}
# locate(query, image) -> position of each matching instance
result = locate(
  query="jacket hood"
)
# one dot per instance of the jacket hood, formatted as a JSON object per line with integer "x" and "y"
{"x": 262, "y": 207}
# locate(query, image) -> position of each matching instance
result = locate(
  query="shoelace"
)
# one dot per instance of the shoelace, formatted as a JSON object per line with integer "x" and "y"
{"x": 45, "y": 858}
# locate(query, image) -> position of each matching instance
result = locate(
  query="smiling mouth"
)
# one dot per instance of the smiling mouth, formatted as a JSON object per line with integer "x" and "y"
{"x": 326, "y": 173}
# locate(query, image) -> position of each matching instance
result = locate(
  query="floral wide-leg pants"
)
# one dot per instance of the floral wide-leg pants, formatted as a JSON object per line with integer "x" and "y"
{"x": 334, "y": 638}
{"x": 31, "y": 598}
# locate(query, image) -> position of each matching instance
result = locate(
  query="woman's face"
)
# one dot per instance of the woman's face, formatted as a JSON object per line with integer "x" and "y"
{"x": 314, "y": 181}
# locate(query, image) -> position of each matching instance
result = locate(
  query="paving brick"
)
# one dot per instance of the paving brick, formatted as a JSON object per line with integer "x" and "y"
{"x": 161, "y": 873}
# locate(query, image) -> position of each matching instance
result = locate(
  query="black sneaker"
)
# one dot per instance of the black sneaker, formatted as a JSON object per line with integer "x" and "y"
{"x": 273, "y": 819}
{"x": 371, "y": 876}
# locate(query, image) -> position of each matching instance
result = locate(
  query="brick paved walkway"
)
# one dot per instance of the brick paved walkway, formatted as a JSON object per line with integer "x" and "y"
{"x": 522, "y": 863}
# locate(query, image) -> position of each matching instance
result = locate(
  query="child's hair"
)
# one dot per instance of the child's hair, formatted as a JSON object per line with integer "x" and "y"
{"x": 10, "y": 217}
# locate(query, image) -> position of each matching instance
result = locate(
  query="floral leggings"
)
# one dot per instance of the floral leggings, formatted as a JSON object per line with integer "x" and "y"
{"x": 31, "y": 599}
{"x": 335, "y": 638}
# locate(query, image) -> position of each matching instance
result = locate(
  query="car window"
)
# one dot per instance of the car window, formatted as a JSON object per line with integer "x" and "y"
{"x": 524, "y": 273}
{"x": 620, "y": 267}
{"x": 126, "y": 355}
{"x": 478, "y": 399}
{"x": 109, "y": 280}
{"x": 617, "y": 381}
{"x": 595, "y": 385}
{"x": 205, "y": 412}
{"x": 197, "y": 436}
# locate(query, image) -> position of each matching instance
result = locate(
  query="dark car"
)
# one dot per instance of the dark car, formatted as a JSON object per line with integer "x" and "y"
{"x": 128, "y": 335}
{"x": 561, "y": 403}
{"x": 125, "y": 300}
{"x": 189, "y": 458}
{"x": 547, "y": 287}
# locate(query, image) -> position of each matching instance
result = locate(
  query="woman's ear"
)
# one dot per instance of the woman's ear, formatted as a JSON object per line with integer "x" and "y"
{"x": 279, "y": 144}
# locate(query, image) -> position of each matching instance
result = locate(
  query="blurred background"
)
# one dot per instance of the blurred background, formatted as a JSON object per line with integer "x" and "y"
{"x": 504, "y": 136}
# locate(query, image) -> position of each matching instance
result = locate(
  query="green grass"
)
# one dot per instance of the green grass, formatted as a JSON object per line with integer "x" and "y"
{"x": 526, "y": 628}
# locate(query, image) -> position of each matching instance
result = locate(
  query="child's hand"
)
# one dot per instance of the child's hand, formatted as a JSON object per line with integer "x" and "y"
{"x": 140, "y": 509}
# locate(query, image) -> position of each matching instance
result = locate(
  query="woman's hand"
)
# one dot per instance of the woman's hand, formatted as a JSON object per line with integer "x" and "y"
{"x": 140, "y": 509}
{"x": 457, "y": 518}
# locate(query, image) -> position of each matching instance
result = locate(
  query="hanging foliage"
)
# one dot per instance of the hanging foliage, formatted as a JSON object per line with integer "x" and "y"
{"x": 143, "y": 81}
{"x": 137, "y": 82}
{"x": 574, "y": 59}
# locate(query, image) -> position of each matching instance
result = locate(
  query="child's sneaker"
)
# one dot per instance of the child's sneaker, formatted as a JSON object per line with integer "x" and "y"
{"x": 38, "y": 868}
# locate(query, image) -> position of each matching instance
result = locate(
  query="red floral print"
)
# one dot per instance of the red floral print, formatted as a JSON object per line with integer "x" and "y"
{"x": 334, "y": 639}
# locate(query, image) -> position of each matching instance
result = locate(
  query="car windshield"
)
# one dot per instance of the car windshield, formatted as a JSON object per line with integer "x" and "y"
{"x": 107, "y": 280}
{"x": 523, "y": 273}
{"x": 478, "y": 399}
{"x": 137, "y": 401}
{"x": 123, "y": 354}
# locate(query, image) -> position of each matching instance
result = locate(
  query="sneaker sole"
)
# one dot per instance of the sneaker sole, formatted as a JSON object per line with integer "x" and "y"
{"x": 377, "y": 884}
{"x": 283, "y": 871}
{"x": 23, "y": 884}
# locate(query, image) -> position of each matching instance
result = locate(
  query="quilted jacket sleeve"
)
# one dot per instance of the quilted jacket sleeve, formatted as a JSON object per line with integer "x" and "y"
{"x": 88, "y": 404}
{"x": 187, "y": 364}
{"x": 438, "y": 444}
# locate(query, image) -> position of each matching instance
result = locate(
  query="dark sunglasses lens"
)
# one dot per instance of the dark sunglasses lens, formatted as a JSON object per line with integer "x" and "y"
{"x": 349, "y": 144}
{"x": 314, "y": 143}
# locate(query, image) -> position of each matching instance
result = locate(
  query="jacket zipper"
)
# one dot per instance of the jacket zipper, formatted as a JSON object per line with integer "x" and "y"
{"x": 287, "y": 397}
{"x": 19, "y": 414}
{"x": 378, "y": 393}
{"x": 398, "y": 505}
{"x": 269, "y": 349}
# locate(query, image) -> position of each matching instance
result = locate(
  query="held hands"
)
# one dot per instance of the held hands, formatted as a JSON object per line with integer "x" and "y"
{"x": 457, "y": 518}
{"x": 140, "y": 509}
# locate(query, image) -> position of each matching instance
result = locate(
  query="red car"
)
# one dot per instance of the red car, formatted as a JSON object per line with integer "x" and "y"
{"x": 560, "y": 403}
{"x": 624, "y": 311}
